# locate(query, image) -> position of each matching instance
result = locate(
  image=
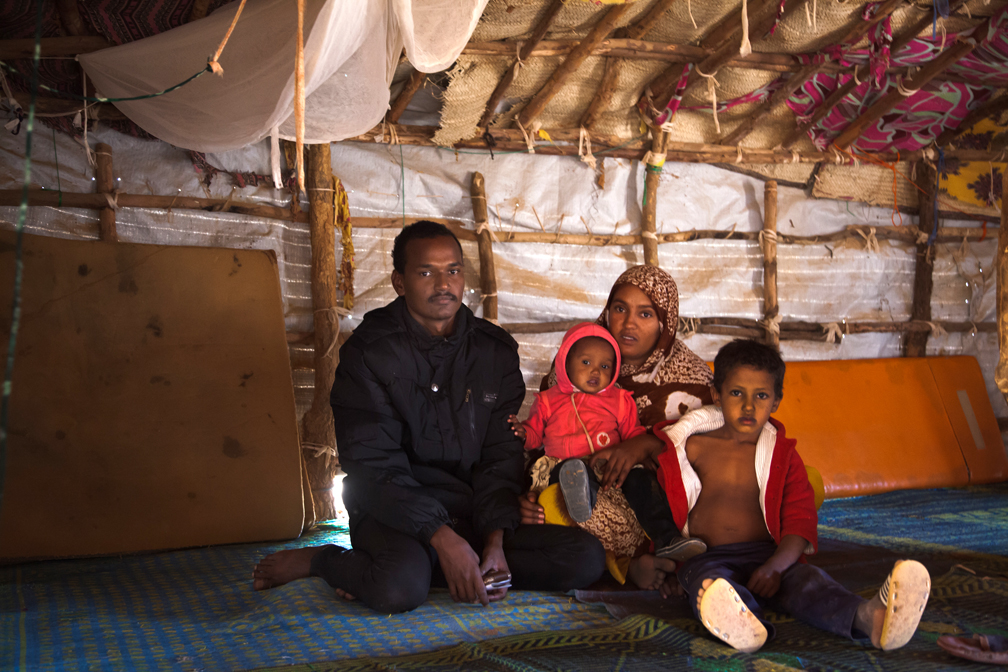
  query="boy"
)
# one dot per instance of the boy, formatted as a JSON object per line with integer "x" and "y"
{"x": 759, "y": 523}
{"x": 586, "y": 412}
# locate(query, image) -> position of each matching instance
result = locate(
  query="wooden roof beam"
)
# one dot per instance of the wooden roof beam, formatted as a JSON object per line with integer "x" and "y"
{"x": 722, "y": 40}
{"x": 858, "y": 30}
{"x": 991, "y": 108}
{"x": 599, "y": 32}
{"x": 402, "y": 101}
{"x": 538, "y": 33}
{"x": 929, "y": 71}
{"x": 844, "y": 90}
{"x": 610, "y": 77}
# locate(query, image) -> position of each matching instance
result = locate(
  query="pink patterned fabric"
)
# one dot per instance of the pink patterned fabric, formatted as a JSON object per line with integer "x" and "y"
{"x": 673, "y": 105}
{"x": 922, "y": 116}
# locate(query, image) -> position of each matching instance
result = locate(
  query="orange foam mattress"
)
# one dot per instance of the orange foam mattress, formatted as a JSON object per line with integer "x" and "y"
{"x": 878, "y": 425}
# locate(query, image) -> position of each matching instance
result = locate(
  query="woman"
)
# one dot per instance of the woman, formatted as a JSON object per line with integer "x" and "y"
{"x": 666, "y": 379}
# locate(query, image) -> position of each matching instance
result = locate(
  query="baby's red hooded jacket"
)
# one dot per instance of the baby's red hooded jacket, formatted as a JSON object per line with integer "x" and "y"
{"x": 570, "y": 423}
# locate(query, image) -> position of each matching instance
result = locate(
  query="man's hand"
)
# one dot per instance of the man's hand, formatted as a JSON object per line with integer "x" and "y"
{"x": 619, "y": 460}
{"x": 493, "y": 559}
{"x": 531, "y": 512}
{"x": 461, "y": 566}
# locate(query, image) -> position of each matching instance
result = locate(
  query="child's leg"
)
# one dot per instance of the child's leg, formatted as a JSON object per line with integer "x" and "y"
{"x": 715, "y": 586}
{"x": 649, "y": 503}
{"x": 813, "y": 596}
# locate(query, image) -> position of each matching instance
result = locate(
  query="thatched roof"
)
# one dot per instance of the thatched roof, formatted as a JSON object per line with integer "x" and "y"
{"x": 826, "y": 82}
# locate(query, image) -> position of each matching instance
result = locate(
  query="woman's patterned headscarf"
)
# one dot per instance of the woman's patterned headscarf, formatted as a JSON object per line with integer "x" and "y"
{"x": 672, "y": 372}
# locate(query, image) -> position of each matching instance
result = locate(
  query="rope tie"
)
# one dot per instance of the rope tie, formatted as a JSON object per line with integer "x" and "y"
{"x": 745, "y": 48}
{"x": 768, "y": 237}
{"x": 937, "y": 329}
{"x": 528, "y": 140}
{"x": 833, "y": 333}
{"x": 319, "y": 449}
{"x": 485, "y": 227}
{"x": 654, "y": 159}
{"x": 711, "y": 83}
{"x": 904, "y": 90}
{"x": 275, "y": 157}
{"x": 214, "y": 66}
{"x": 334, "y": 313}
{"x": 112, "y": 199}
{"x": 871, "y": 242}
{"x": 772, "y": 324}
{"x": 689, "y": 8}
{"x": 795, "y": 156}
{"x": 690, "y": 326}
{"x": 518, "y": 60}
{"x": 738, "y": 149}
{"x": 649, "y": 234}
{"x": 489, "y": 295}
{"x": 87, "y": 147}
{"x": 856, "y": 80}
{"x": 922, "y": 238}
{"x": 584, "y": 148}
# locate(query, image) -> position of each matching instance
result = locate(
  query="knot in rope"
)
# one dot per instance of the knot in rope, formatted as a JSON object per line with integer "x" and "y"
{"x": 833, "y": 332}
{"x": 485, "y": 226}
{"x": 871, "y": 242}
{"x": 584, "y": 148}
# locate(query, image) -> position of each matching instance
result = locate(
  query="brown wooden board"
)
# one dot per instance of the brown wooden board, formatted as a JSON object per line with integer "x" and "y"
{"x": 152, "y": 405}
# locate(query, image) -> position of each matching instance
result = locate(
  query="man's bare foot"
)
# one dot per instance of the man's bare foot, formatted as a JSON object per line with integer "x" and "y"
{"x": 282, "y": 567}
{"x": 703, "y": 586}
{"x": 648, "y": 572}
{"x": 869, "y": 619}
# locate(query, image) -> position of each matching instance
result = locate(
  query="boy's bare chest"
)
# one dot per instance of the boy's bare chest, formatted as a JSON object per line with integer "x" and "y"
{"x": 721, "y": 464}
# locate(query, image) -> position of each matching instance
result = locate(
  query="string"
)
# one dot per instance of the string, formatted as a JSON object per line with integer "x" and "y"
{"x": 938, "y": 175}
{"x": 99, "y": 99}
{"x": 18, "y": 257}
{"x": 59, "y": 186}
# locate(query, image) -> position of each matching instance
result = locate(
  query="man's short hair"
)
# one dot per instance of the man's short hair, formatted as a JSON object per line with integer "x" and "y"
{"x": 420, "y": 230}
{"x": 747, "y": 352}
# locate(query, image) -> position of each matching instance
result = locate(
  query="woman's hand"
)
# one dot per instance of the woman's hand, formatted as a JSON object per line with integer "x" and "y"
{"x": 619, "y": 460}
{"x": 517, "y": 426}
{"x": 531, "y": 512}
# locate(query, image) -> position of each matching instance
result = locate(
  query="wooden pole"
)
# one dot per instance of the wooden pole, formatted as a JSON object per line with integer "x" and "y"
{"x": 771, "y": 310}
{"x": 401, "y": 102}
{"x": 652, "y": 177}
{"x": 106, "y": 185}
{"x": 1001, "y": 261}
{"x": 484, "y": 240}
{"x": 318, "y": 434}
{"x": 915, "y": 343}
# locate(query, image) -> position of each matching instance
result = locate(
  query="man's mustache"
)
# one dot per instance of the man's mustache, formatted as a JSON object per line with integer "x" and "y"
{"x": 442, "y": 295}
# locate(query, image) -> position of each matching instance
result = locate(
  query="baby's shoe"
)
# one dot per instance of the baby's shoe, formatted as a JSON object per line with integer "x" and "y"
{"x": 576, "y": 491}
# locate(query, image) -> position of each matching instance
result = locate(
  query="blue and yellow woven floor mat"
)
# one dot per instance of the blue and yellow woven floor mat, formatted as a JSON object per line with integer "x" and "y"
{"x": 195, "y": 610}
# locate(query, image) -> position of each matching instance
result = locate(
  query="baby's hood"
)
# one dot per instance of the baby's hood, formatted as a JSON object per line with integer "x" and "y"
{"x": 574, "y": 334}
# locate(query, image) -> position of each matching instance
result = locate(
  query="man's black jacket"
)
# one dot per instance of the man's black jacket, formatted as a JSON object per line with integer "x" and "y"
{"x": 421, "y": 423}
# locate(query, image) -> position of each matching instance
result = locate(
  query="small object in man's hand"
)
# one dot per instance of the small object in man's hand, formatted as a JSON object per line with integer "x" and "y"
{"x": 496, "y": 579}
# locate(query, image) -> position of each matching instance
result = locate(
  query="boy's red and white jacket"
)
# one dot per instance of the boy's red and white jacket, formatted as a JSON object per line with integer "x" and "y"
{"x": 786, "y": 497}
{"x": 570, "y": 423}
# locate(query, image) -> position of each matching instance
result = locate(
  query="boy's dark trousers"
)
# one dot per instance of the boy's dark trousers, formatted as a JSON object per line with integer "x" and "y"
{"x": 647, "y": 499}
{"x": 806, "y": 592}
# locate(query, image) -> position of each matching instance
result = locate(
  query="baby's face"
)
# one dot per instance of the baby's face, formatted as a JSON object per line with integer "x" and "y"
{"x": 590, "y": 364}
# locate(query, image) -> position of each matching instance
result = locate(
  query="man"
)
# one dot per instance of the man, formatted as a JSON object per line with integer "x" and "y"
{"x": 421, "y": 402}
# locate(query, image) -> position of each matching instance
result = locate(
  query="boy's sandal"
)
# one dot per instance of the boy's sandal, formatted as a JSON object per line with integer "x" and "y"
{"x": 682, "y": 549}
{"x": 904, "y": 595}
{"x": 725, "y": 614}
{"x": 981, "y": 648}
{"x": 574, "y": 486}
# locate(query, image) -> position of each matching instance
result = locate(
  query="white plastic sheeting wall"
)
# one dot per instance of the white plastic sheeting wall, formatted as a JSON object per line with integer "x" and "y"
{"x": 547, "y": 282}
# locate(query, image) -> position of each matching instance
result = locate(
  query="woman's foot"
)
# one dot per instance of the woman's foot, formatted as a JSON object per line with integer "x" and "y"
{"x": 282, "y": 567}
{"x": 648, "y": 572}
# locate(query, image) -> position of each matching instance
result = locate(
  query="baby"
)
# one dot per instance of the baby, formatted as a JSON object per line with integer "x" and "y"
{"x": 736, "y": 481}
{"x": 586, "y": 412}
